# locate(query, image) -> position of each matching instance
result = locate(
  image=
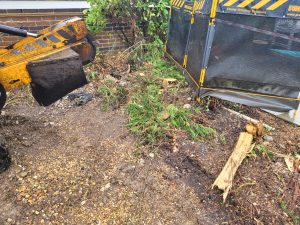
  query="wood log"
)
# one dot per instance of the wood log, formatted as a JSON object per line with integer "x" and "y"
{"x": 225, "y": 180}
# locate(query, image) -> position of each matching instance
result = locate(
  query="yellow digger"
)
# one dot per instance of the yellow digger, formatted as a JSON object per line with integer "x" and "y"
{"x": 50, "y": 61}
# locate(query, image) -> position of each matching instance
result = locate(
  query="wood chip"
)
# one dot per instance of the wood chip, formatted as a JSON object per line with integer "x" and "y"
{"x": 169, "y": 81}
{"x": 289, "y": 161}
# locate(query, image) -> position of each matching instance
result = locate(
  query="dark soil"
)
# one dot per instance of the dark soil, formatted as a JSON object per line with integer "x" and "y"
{"x": 80, "y": 165}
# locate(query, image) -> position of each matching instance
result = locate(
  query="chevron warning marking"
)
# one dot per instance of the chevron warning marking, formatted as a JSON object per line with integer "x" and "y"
{"x": 261, "y": 4}
{"x": 245, "y": 3}
{"x": 230, "y": 3}
{"x": 200, "y": 4}
{"x": 277, "y": 4}
{"x": 178, "y": 3}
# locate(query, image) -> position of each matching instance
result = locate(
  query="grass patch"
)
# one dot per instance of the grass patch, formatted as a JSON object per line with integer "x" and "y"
{"x": 222, "y": 139}
{"x": 113, "y": 96}
{"x": 144, "y": 115}
{"x": 150, "y": 118}
{"x": 295, "y": 218}
{"x": 262, "y": 150}
{"x": 91, "y": 75}
{"x": 179, "y": 118}
{"x": 164, "y": 69}
{"x": 161, "y": 68}
{"x": 153, "y": 54}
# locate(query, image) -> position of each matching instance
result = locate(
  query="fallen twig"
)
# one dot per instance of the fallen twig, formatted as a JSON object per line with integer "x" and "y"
{"x": 138, "y": 44}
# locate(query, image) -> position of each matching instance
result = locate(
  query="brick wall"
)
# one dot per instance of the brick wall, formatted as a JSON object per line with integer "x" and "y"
{"x": 111, "y": 37}
{"x": 34, "y": 20}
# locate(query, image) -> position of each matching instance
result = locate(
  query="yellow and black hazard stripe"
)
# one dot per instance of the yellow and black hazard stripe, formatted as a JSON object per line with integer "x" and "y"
{"x": 177, "y": 3}
{"x": 268, "y": 5}
{"x": 199, "y": 4}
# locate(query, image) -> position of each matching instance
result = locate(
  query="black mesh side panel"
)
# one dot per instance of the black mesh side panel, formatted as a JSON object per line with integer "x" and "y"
{"x": 178, "y": 34}
{"x": 255, "y": 54}
{"x": 196, "y": 46}
{"x": 274, "y": 104}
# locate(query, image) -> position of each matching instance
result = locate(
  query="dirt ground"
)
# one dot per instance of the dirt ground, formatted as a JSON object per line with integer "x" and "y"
{"x": 79, "y": 165}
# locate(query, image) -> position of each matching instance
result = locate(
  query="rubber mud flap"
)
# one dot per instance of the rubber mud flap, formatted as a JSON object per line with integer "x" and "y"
{"x": 4, "y": 159}
{"x": 55, "y": 76}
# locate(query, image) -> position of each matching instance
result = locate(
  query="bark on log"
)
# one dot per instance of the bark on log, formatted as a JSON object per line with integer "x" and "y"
{"x": 242, "y": 148}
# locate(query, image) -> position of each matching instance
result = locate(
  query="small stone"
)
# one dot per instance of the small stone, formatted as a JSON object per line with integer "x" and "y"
{"x": 268, "y": 138}
{"x": 123, "y": 83}
{"x": 165, "y": 115}
{"x": 175, "y": 149}
{"x": 26, "y": 144}
{"x": 151, "y": 155}
{"x": 141, "y": 162}
{"x": 17, "y": 122}
{"x": 9, "y": 220}
{"x": 187, "y": 106}
{"x": 266, "y": 143}
{"x": 83, "y": 202}
{"x": 107, "y": 186}
{"x": 23, "y": 174}
{"x": 51, "y": 123}
{"x": 189, "y": 99}
{"x": 3, "y": 113}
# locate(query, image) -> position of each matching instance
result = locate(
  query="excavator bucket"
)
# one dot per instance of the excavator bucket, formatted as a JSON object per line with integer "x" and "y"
{"x": 55, "y": 76}
{"x": 51, "y": 61}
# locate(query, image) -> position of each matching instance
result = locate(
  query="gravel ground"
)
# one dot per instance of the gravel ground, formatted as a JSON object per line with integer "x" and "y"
{"x": 79, "y": 165}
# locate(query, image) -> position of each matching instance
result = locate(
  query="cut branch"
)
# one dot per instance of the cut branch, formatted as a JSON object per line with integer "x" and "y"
{"x": 242, "y": 148}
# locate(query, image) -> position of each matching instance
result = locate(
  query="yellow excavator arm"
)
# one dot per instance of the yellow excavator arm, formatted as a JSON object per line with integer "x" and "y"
{"x": 50, "y": 61}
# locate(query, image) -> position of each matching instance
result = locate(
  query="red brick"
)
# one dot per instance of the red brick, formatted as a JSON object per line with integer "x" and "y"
{"x": 106, "y": 39}
{"x": 48, "y": 17}
{"x": 34, "y": 18}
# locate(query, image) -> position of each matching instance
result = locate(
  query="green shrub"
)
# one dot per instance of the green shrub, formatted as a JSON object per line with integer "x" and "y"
{"x": 148, "y": 17}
